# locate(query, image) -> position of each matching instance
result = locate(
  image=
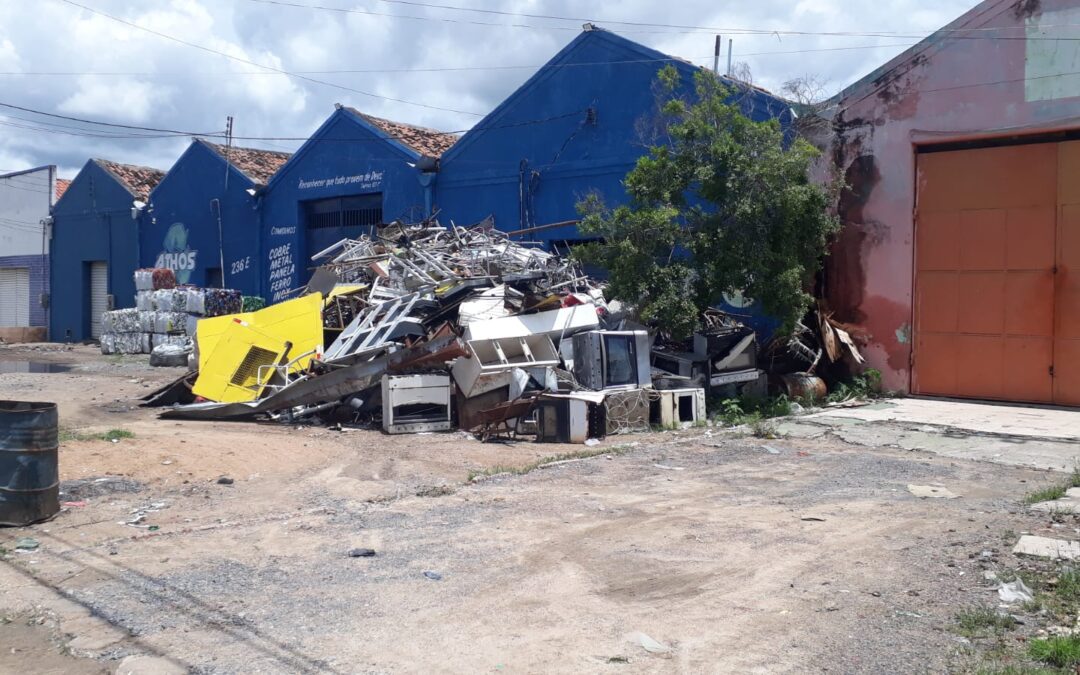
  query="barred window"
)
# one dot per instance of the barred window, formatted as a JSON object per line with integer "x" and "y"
{"x": 348, "y": 212}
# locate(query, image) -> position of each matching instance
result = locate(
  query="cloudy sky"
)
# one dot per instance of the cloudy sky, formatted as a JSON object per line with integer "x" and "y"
{"x": 428, "y": 62}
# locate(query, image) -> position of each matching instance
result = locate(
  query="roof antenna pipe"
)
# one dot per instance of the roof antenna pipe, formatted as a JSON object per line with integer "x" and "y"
{"x": 716, "y": 56}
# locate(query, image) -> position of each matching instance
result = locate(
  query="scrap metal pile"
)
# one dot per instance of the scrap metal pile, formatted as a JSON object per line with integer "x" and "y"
{"x": 423, "y": 327}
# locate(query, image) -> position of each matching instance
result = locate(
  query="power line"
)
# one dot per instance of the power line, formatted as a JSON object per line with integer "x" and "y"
{"x": 958, "y": 87}
{"x": 22, "y": 177}
{"x": 344, "y": 10}
{"x": 85, "y": 133}
{"x": 25, "y": 187}
{"x": 646, "y": 24}
{"x": 104, "y": 124}
{"x": 447, "y": 69}
{"x": 238, "y": 59}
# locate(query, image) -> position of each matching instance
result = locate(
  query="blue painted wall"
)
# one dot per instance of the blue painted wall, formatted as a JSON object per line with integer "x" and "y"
{"x": 346, "y": 156}
{"x": 91, "y": 222}
{"x": 532, "y": 158}
{"x": 200, "y": 210}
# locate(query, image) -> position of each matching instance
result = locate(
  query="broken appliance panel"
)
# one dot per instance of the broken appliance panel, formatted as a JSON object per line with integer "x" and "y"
{"x": 675, "y": 407}
{"x": 415, "y": 403}
{"x": 612, "y": 360}
{"x": 496, "y": 357}
{"x": 562, "y": 420}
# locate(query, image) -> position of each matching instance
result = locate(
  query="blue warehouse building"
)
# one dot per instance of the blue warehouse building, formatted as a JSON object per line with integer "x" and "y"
{"x": 202, "y": 219}
{"x": 575, "y": 127}
{"x": 252, "y": 219}
{"x": 356, "y": 171}
{"x": 95, "y": 246}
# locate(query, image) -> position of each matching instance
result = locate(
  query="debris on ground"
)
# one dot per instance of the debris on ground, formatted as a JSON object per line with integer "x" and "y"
{"x": 821, "y": 352}
{"x": 361, "y": 552}
{"x": 1045, "y": 547}
{"x": 648, "y": 644}
{"x": 434, "y": 576}
{"x": 27, "y": 544}
{"x": 1015, "y": 591}
{"x": 932, "y": 492}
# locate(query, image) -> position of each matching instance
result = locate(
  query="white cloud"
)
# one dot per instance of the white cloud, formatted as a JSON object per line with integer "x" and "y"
{"x": 126, "y": 99}
{"x": 9, "y": 56}
{"x": 170, "y": 85}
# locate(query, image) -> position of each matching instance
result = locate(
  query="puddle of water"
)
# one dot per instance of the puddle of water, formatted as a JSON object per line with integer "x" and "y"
{"x": 33, "y": 367}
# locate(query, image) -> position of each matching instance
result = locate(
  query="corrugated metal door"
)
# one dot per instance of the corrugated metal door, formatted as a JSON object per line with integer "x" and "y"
{"x": 99, "y": 296}
{"x": 14, "y": 297}
{"x": 985, "y": 273}
{"x": 1067, "y": 315}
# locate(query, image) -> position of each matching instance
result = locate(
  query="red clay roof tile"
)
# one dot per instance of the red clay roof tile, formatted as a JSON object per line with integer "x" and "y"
{"x": 139, "y": 180}
{"x": 426, "y": 142}
{"x": 61, "y": 187}
{"x": 258, "y": 165}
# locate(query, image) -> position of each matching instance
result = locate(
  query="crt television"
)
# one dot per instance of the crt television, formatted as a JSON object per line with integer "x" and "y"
{"x": 612, "y": 360}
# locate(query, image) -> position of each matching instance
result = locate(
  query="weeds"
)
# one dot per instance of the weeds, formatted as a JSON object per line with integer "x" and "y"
{"x": 1061, "y": 651}
{"x": 1014, "y": 670}
{"x": 764, "y": 428}
{"x": 734, "y": 412}
{"x": 69, "y": 435}
{"x": 1068, "y": 586}
{"x": 1056, "y": 591}
{"x": 1046, "y": 494}
{"x": 978, "y": 621}
{"x": 867, "y": 385}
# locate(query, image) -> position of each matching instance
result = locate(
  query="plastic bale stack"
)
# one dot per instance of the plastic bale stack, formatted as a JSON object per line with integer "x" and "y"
{"x": 164, "y": 314}
{"x": 122, "y": 333}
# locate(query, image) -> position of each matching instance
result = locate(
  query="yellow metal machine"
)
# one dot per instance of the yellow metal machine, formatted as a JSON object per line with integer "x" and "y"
{"x": 238, "y": 352}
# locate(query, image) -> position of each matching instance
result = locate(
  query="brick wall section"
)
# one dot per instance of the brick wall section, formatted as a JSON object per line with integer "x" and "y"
{"x": 39, "y": 283}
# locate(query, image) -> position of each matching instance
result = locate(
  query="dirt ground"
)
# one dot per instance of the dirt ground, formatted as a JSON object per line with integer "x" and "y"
{"x": 694, "y": 551}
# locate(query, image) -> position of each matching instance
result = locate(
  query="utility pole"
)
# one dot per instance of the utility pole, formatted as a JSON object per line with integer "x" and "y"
{"x": 716, "y": 56}
{"x": 228, "y": 146}
{"x": 221, "y": 228}
{"x": 729, "y": 46}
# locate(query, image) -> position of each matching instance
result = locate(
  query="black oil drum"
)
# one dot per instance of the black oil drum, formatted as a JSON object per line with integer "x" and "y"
{"x": 29, "y": 468}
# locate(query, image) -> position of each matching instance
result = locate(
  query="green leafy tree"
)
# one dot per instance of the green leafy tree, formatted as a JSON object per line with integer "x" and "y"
{"x": 722, "y": 205}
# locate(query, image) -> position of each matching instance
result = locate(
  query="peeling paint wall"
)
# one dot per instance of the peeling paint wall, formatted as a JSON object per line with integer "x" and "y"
{"x": 1013, "y": 70}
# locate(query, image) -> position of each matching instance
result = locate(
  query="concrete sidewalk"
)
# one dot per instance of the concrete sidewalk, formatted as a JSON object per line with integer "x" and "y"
{"x": 1059, "y": 424}
{"x": 1037, "y": 437}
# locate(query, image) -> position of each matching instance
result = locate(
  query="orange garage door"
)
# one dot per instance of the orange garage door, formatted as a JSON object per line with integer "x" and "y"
{"x": 995, "y": 310}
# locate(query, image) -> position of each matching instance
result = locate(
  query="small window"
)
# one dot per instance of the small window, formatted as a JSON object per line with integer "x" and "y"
{"x": 345, "y": 212}
{"x": 214, "y": 278}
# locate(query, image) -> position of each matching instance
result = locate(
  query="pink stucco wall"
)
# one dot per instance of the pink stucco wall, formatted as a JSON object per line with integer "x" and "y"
{"x": 999, "y": 71}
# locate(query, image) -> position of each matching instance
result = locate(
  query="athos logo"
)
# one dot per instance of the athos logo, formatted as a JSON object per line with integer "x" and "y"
{"x": 177, "y": 255}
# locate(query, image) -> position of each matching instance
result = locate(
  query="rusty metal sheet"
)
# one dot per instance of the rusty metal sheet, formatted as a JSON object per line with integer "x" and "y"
{"x": 1067, "y": 280}
{"x": 984, "y": 297}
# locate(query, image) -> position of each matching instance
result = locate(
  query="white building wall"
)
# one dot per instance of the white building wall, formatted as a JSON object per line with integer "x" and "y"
{"x": 25, "y": 200}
